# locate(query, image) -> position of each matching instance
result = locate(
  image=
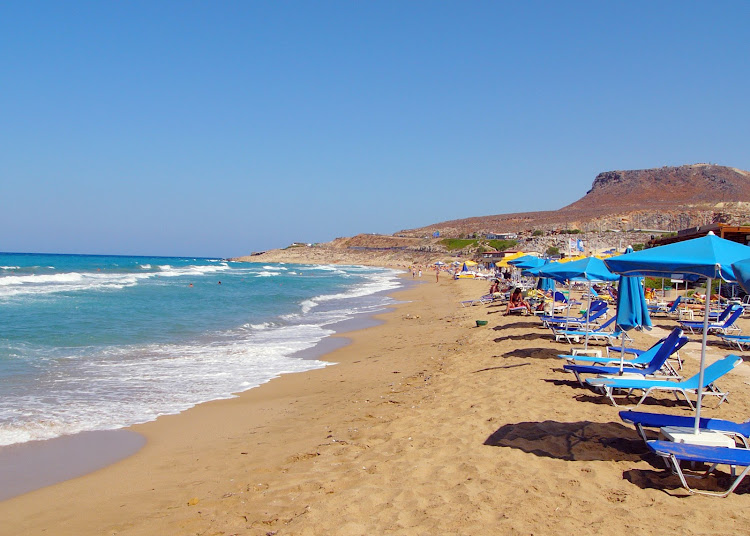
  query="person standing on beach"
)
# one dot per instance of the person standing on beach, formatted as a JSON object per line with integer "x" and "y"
{"x": 437, "y": 274}
{"x": 420, "y": 272}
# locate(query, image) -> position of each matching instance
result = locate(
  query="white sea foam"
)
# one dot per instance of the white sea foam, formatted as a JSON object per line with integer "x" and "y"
{"x": 66, "y": 282}
{"x": 167, "y": 270}
{"x": 107, "y": 387}
{"x": 135, "y": 384}
{"x": 376, "y": 282}
{"x": 267, "y": 274}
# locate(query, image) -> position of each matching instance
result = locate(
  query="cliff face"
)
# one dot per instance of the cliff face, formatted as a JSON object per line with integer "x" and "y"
{"x": 698, "y": 185}
{"x": 668, "y": 198}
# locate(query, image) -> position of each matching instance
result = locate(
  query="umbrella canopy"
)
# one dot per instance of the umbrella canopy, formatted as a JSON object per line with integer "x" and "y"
{"x": 527, "y": 261}
{"x": 587, "y": 269}
{"x": 709, "y": 256}
{"x": 741, "y": 272}
{"x": 632, "y": 309}
{"x": 506, "y": 260}
{"x": 439, "y": 263}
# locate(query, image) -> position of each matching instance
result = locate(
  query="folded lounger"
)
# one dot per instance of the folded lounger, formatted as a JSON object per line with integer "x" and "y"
{"x": 676, "y": 452}
{"x": 671, "y": 344}
{"x": 712, "y": 373}
{"x": 642, "y": 420}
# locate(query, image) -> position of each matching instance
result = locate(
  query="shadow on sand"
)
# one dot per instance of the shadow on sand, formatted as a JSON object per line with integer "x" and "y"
{"x": 518, "y": 325}
{"x": 535, "y": 353}
{"x": 572, "y": 441}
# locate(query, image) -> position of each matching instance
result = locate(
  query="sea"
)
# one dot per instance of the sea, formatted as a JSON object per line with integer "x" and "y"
{"x": 103, "y": 342}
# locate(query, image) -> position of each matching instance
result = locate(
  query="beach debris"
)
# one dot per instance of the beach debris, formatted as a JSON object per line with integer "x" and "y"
{"x": 193, "y": 501}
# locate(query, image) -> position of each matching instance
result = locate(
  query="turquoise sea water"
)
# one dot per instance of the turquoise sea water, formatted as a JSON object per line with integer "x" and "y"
{"x": 96, "y": 343}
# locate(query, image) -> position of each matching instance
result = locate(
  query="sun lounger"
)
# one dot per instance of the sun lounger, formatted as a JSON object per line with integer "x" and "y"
{"x": 642, "y": 420}
{"x": 716, "y": 316}
{"x": 615, "y": 350}
{"x": 735, "y": 340}
{"x": 674, "y": 453}
{"x": 642, "y": 357}
{"x": 578, "y": 322}
{"x": 669, "y": 311}
{"x": 712, "y": 373}
{"x": 596, "y": 306}
{"x": 725, "y": 327}
{"x": 598, "y": 334}
{"x": 487, "y": 298}
{"x": 671, "y": 344}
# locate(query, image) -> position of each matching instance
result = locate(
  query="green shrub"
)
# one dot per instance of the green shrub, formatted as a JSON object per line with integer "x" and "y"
{"x": 502, "y": 245}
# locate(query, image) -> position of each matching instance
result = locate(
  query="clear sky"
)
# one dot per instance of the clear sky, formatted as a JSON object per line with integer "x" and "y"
{"x": 218, "y": 128}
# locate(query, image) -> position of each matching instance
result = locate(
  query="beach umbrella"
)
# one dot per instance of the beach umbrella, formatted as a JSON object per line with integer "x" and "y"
{"x": 528, "y": 261}
{"x": 439, "y": 263}
{"x": 741, "y": 272}
{"x": 589, "y": 269}
{"x": 632, "y": 309}
{"x": 709, "y": 257}
{"x": 546, "y": 284}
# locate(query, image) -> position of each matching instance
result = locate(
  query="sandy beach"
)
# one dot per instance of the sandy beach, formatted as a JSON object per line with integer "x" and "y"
{"x": 425, "y": 425}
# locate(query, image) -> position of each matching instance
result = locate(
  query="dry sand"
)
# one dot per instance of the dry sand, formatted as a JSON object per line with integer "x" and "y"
{"x": 427, "y": 425}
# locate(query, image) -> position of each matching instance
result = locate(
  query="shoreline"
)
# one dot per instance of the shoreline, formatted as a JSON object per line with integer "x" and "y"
{"x": 427, "y": 425}
{"x": 33, "y": 465}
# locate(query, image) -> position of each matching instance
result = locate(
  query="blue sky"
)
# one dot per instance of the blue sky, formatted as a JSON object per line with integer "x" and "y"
{"x": 221, "y": 128}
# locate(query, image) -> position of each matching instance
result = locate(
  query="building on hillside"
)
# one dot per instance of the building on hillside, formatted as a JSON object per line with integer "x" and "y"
{"x": 501, "y": 236}
{"x": 735, "y": 233}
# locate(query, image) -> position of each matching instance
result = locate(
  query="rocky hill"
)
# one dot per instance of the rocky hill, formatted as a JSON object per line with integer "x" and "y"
{"x": 635, "y": 204}
{"x": 667, "y": 198}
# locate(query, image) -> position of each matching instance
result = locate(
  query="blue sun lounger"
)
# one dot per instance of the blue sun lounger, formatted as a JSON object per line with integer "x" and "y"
{"x": 735, "y": 340}
{"x": 641, "y": 359}
{"x": 597, "y": 309}
{"x": 655, "y": 309}
{"x": 671, "y": 344}
{"x": 642, "y": 420}
{"x": 575, "y": 335}
{"x": 712, "y": 373}
{"x": 725, "y": 327}
{"x": 674, "y": 453}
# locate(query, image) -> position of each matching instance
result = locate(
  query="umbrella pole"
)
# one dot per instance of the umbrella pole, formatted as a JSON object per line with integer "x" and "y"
{"x": 588, "y": 316}
{"x": 622, "y": 352}
{"x": 703, "y": 362}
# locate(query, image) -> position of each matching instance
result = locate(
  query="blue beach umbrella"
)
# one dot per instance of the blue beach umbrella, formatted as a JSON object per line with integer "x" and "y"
{"x": 527, "y": 261}
{"x": 709, "y": 256}
{"x": 545, "y": 283}
{"x": 632, "y": 309}
{"x": 741, "y": 272}
{"x": 590, "y": 269}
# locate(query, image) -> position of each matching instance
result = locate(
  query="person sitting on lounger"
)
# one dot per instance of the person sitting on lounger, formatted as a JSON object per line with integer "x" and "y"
{"x": 495, "y": 288}
{"x": 516, "y": 301}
